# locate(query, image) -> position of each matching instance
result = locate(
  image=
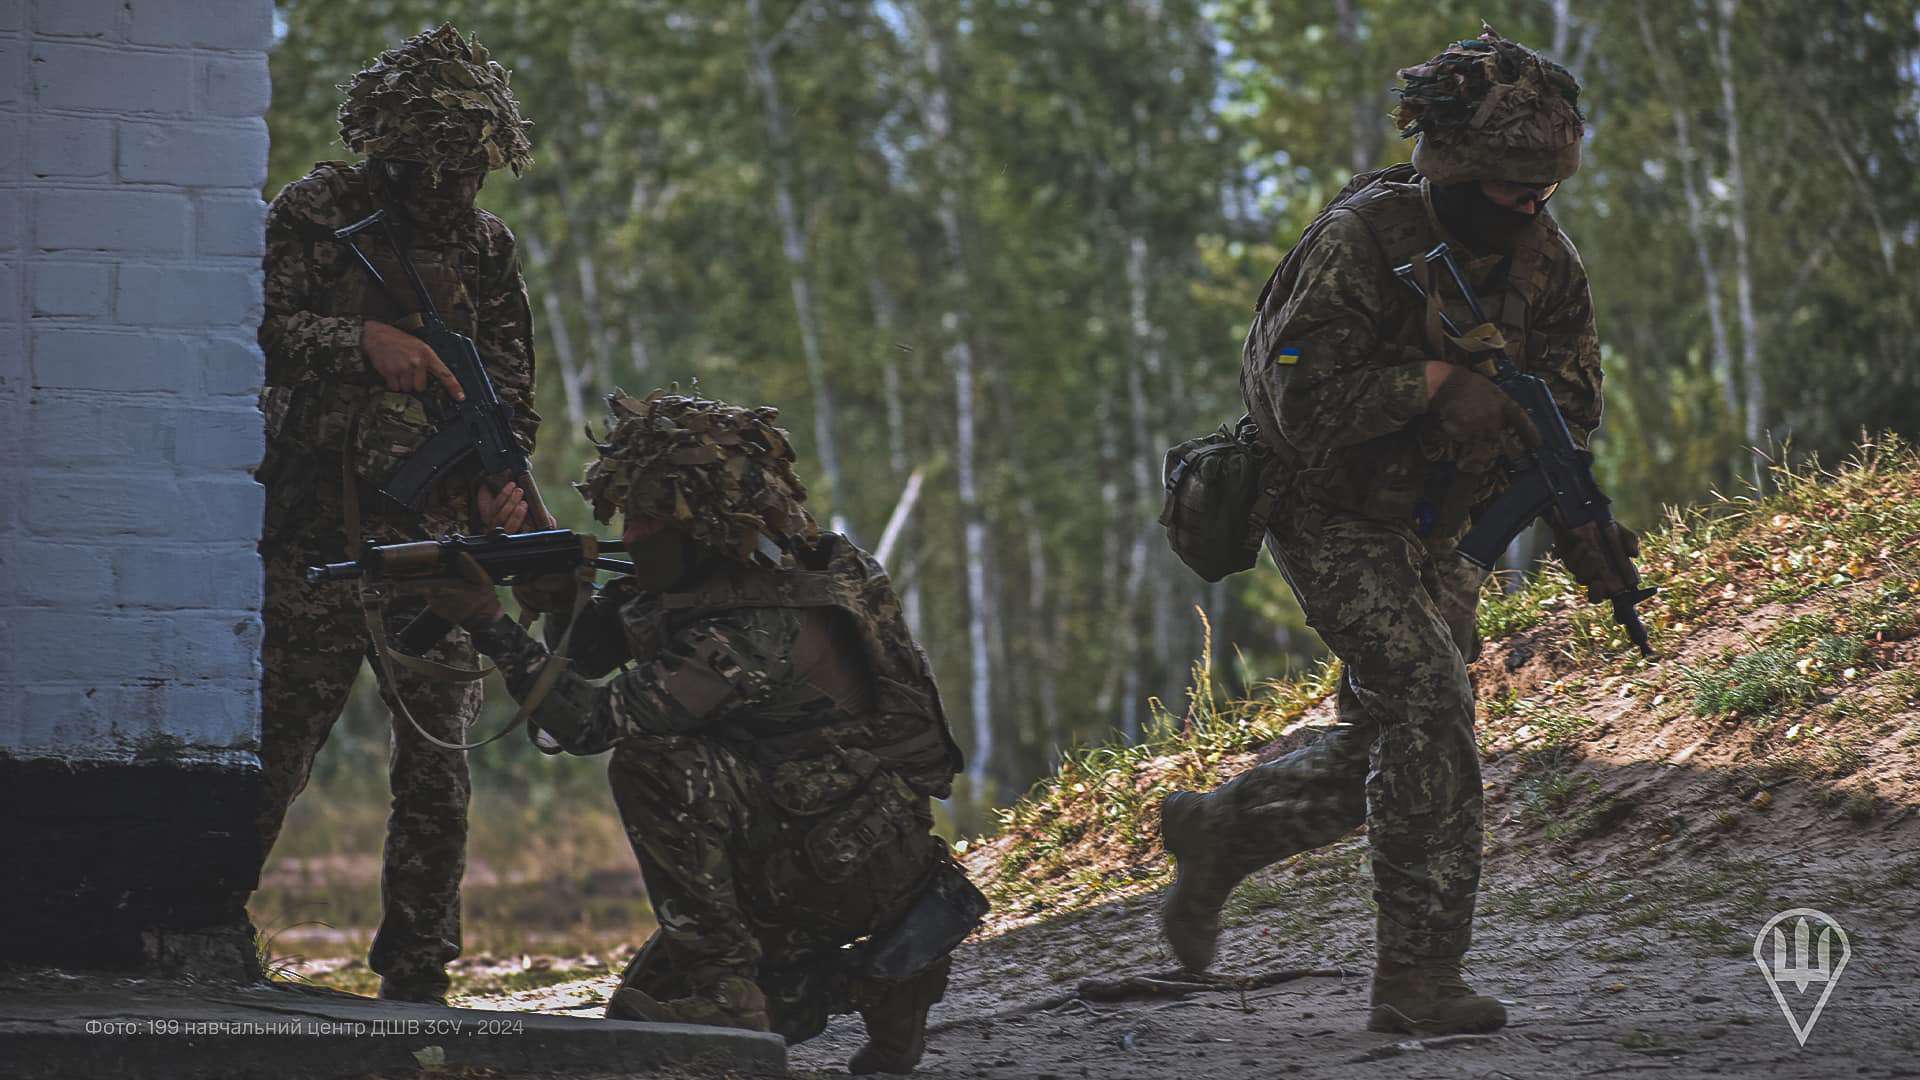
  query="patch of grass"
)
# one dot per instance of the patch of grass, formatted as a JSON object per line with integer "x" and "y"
{"x": 1790, "y": 670}
{"x": 1861, "y": 805}
{"x": 1546, "y": 786}
{"x": 1091, "y": 831}
{"x": 1818, "y": 529}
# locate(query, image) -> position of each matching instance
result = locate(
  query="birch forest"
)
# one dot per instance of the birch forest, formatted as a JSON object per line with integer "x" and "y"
{"x": 991, "y": 258}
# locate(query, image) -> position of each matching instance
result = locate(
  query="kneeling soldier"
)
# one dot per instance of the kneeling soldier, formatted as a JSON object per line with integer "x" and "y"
{"x": 775, "y": 740}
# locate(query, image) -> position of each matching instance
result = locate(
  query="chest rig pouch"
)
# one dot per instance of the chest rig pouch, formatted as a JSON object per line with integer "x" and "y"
{"x": 1404, "y": 476}
{"x": 391, "y": 427}
{"x": 1219, "y": 497}
{"x": 356, "y": 416}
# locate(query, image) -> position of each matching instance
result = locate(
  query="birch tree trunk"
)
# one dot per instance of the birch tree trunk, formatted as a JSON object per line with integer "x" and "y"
{"x": 572, "y": 376}
{"x": 938, "y": 115}
{"x": 886, "y": 315}
{"x": 793, "y": 245}
{"x": 1696, "y": 217}
{"x": 1754, "y": 378}
{"x": 1364, "y": 118}
{"x": 597, "y": 338}
{"x": 1143, "y": 359}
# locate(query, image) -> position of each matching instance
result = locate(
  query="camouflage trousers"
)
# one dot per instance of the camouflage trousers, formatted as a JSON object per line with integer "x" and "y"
{"x": 1399, "y": 614}
{"x": 741, "y": 884}
{"x": 316, "y": 640}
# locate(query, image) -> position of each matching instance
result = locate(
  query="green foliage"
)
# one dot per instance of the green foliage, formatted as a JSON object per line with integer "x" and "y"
{"x": 1790, "y": 670}
{"x": 1092, "y": 217}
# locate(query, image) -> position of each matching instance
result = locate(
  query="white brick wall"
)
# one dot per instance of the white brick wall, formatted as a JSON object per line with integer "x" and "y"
{"x": 132, "y": 152}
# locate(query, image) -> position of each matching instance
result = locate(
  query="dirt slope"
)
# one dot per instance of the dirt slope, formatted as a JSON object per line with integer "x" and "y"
{"x": 1644, "y": 821}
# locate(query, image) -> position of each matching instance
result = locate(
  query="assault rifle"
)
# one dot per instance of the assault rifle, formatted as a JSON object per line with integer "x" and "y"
{"x": 507, "y": 558}
{"x": 481, "y": 424}
{"x": 1555, "y": 478}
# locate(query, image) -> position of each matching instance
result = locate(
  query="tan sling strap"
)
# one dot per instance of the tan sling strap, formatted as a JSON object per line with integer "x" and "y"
{"x": 373, "y": 609}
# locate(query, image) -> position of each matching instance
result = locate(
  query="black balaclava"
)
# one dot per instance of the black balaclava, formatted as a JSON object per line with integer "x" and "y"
{"x": 1477, "y": 221}
{"x": 664, "y": 560}
{"x": 431, "y": 206}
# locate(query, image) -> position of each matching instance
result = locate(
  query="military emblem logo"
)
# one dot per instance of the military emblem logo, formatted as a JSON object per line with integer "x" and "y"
{"x": 1796, "y": 948}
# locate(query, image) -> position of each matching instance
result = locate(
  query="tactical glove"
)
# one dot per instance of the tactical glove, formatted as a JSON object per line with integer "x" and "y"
{"x": 461, "y": 603}
{"x": 1584, "y": 550}
{"x": 553, "y": 592}
{"x": 1481, "y": 421}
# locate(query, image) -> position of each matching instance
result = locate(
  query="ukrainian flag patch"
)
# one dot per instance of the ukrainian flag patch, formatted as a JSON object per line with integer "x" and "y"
{"x": 1288, "y": 355}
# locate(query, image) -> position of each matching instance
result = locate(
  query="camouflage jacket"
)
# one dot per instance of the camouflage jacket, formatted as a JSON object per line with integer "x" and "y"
{"x": 1334, "y": 367}
{"x": 811, "y": 671}
{"x": 317, "y": 298}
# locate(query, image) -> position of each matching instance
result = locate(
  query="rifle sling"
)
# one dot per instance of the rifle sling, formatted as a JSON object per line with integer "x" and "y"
{"x": 373, "y": 609}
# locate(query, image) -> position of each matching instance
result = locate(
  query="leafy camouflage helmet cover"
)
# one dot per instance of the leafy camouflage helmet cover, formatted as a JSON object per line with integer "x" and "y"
{"x": 722, "y": 473}
{"x": 1491, "y": 109}
{"x": 439, "y": 100}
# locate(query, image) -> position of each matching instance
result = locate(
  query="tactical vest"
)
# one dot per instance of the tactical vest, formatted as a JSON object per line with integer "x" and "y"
{"x": 907, "y": 730}
{"x": 311, "y": 419}
{"x": 1385, "y": 478}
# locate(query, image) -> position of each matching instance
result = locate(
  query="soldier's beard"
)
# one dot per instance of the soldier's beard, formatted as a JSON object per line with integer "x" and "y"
{"x": 1477, "y": 220}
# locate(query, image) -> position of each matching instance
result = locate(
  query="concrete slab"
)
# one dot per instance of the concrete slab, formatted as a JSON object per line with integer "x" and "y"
{"x": 63, "y": 1026}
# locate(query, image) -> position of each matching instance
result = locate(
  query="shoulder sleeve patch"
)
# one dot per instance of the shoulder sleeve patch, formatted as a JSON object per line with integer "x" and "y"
{"x": 1288, "y": 354}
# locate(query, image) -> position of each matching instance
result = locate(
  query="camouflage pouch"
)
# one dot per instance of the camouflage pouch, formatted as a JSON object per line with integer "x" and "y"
{"x": 864, "y": 826}
{"x": 290, "y": 479}
{"x": 813, "y": 785}
{"x": 390, "y": 428}
{"x": 387, "y": 427}
{"x": 1219, "y": 497}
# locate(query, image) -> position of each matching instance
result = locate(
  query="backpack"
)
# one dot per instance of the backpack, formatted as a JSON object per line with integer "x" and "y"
{"x": 1218, "y": 500}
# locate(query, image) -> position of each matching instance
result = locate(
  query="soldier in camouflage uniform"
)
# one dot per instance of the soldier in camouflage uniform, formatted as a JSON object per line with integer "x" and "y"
{"x": 1385, "y": 435}
{"x": 344, "y": 403}
{"x": 775, "y": 740}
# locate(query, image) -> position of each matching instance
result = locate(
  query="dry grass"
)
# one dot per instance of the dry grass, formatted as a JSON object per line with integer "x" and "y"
{"x": 1842, "y": 547}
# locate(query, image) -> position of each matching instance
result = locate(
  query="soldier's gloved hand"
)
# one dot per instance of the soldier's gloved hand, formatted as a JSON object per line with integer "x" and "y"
{"x": 462, "y": 603}
{"x": 1480, "y": 420}
{"x": 1584, "y": 550}
{"x": 553, "y": 592}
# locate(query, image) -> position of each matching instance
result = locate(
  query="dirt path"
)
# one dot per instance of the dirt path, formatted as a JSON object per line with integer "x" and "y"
{"x": 1605, "y": 972}
{"x": 1589, "y": 995}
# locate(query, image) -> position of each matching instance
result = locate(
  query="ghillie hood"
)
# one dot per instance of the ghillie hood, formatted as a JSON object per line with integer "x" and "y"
{"x": 1491, "y": 109}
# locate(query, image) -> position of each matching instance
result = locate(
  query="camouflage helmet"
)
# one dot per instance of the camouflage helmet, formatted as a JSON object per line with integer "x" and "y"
{"x": 1490, "y": 109}
{"x": 438, "y": 100}
{"x": 722, "y": 473}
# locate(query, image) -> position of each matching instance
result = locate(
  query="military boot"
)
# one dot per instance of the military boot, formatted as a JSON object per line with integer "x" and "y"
{"x": 1190, "y": 914}
{"x": 895, "y": 1011}
{"x": 426, "y": 990}
{"x": 734, "y": 1001}
{"x": 1430, "y": 999}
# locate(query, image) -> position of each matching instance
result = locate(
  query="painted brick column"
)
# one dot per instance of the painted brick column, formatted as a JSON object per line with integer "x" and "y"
{"x": 132, "y": 152}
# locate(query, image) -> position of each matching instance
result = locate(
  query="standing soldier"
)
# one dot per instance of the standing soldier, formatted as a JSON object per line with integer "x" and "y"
{"x": 775, "y": 740}
{"x": 345, "y": 399}
{"x": 1385, "y": 436}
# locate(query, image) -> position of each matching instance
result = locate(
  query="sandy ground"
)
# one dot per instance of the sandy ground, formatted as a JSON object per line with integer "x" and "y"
{"x": 1653, "y": 974}
{"x": 1587, "y": 995}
